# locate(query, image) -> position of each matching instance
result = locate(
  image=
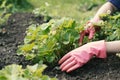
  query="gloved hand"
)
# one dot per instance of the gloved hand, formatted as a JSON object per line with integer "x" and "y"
{"x": 89, "y": 31}
{"x": 79, "y": 56}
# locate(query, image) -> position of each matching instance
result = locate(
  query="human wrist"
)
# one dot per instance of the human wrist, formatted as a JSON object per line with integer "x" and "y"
{"x": 98, "y": 48}
{"x": 113, "y": 47}
{"x": 92, "y": 22}
{"x": 95, "y": 20}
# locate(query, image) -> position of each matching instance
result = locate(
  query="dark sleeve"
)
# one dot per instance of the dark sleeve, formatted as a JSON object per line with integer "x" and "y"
{"x": 116, "y": 3}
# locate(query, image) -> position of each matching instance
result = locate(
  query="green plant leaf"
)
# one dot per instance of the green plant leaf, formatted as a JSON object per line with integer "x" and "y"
{"x": 15, "y": 72}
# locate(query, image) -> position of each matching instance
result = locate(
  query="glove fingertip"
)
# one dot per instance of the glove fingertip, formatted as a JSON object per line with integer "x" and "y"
{"x": 80, "y": 43}
{"x": 73, "y": 68}
{"x": 90, "y": 37}
{"x": 81, "y": 38}
{"x": 91, "y": 34}
{"x": 64, "y": 58}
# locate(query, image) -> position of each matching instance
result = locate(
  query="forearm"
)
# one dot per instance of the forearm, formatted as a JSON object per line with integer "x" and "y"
{"x": 113, "y": 47}
{"x": 107, "y": 6}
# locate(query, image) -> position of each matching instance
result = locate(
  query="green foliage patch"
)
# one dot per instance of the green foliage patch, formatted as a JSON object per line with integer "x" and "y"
{"x": 14, "y": 5}
{"x": 16, "y": 72}
{"x": 50, "y": 41}
{"x": 110, "y": 29}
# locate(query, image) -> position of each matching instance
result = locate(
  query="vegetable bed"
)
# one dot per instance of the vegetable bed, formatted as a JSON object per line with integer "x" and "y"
{"x": 96, "y": 69}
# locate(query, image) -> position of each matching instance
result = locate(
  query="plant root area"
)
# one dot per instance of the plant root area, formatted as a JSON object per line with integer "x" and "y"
{"x": 95, "y": 69}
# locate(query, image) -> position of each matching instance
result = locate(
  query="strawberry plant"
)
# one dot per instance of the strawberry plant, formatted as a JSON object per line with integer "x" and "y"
{"x": 38, "y": 12}
{"x": 110, "y": 29}
{"x": 49, "y": 41}
{"x": 16, "y": 72}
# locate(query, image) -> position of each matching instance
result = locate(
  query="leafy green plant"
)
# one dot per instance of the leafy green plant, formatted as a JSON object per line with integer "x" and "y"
{"x": 16, "y": 72}
{"x": 49, "y": 41}
{"x": 110, "y": 29}
{"x": 38, "y": 12}
{"x": 4, "y": 15}
{"x": 3, "y": 20}
{"x": 14, "y": 5}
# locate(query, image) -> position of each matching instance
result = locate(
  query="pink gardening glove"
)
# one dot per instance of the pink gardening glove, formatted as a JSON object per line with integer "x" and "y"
{"x": 80, "y": 56}
{"x": 89, "y": 31}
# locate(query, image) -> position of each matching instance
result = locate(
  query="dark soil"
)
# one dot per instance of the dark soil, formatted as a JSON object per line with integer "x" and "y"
{"x": 15, "y": 31}
{"x": 96, "y": 69}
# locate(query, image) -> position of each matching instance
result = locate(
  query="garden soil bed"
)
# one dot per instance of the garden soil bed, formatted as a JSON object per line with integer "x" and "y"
{"x": 96, "y": 69}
